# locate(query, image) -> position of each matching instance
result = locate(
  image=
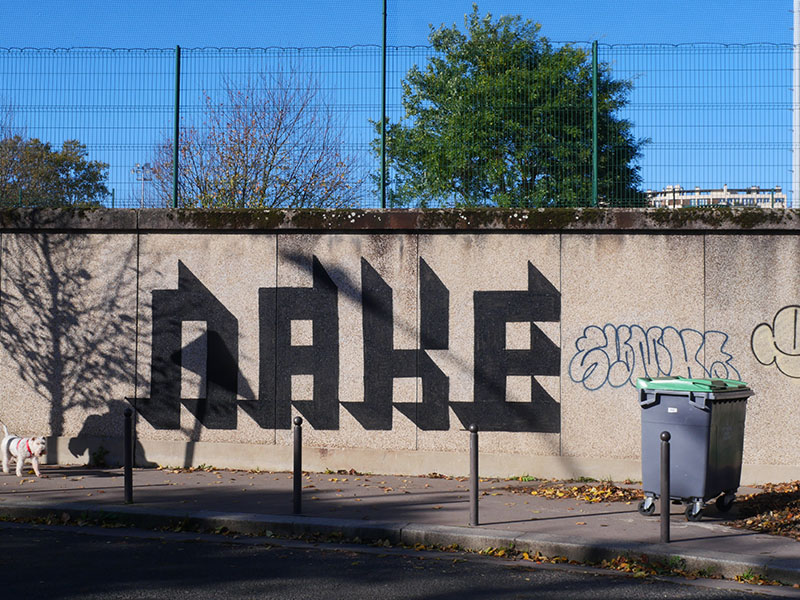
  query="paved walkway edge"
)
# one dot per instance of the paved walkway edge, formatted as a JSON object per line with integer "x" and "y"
{"x": 468, "y": 538}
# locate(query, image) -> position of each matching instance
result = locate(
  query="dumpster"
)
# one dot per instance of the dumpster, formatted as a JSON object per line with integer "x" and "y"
{"x": 705, "y": 419}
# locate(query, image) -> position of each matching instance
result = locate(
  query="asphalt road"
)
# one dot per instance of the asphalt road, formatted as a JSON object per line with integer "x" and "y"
{"x": 70, "y": 562}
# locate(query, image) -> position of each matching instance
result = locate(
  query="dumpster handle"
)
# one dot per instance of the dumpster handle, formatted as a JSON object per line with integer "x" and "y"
{"x": 644, "y": 402}
{"x": 698, "y": 401}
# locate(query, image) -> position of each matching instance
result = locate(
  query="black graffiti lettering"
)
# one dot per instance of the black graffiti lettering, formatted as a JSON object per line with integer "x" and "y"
{"x": 317, "y": 358}
{"x": 279, "y": 360}
{"x": 434, "y": 310}
{"x": 382, "y": 363}
{"x": 262, "y": 411}
{"x": 192, "y": 301}
{"x": 432, "y": 413}
{"x": 494, "y": 362}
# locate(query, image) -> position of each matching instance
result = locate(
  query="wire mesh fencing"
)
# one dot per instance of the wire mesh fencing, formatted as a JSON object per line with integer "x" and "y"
{"x": 576, "y": 125}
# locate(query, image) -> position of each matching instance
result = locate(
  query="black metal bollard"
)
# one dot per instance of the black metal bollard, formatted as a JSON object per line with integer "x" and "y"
{"x": 297, "y": 466}
{"x": 473, "y": 475}
{"x": 665, "y": 491}
{"x": 128, "y": 456}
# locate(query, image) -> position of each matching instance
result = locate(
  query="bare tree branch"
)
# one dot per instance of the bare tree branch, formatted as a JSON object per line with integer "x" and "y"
{"x": 273, "y": 143}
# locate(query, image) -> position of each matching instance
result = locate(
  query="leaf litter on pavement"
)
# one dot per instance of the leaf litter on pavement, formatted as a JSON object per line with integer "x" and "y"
{"x": 603, "y": 491}
{"x": 774, "y": 510}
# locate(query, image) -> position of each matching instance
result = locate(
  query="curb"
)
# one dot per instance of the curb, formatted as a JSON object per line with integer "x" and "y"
{"x": 467, "y": 538}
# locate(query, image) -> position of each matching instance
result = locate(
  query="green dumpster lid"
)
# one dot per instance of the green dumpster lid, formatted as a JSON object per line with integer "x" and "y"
{"x": 682, "y": 384}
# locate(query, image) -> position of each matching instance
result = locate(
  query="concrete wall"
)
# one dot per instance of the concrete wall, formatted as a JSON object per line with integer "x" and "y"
{"x": 389, "y": 333}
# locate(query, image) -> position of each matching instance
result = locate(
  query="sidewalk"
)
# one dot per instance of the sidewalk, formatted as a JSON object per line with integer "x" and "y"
{"x": 409, "y": 510}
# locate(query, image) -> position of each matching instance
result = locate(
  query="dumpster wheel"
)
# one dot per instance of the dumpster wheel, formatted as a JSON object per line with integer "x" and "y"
{"x": 647, "y": 507}
{"x": 725, "y": 502}
{"x": 694, "y": 512}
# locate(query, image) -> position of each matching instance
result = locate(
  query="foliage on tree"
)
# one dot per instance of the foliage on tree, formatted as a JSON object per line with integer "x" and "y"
{"x": 273, "y": 142}
{"x": 500, "y": 116}
{"x": 32, "y": 173}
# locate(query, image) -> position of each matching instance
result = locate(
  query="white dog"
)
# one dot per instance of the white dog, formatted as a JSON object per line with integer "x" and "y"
{"x": 20, "y": 449}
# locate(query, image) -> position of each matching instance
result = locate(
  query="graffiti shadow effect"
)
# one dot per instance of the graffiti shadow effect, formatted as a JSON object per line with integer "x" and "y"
{"x": 318, "y": 306}
{"x": 493, "y": 362}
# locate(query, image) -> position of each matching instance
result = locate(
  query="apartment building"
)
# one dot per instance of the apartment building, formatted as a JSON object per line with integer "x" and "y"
{"x": 675, "y": 196}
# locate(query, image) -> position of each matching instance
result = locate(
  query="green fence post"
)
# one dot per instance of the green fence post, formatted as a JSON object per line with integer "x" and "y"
{"x": 176, "y": 132}
{"x": 383, "y": 112}
{"x": 594, "y": 123}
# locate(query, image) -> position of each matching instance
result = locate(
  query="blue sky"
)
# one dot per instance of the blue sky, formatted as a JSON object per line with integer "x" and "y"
{"x": 715, "y": 116}
{"x": 253, "y": 23}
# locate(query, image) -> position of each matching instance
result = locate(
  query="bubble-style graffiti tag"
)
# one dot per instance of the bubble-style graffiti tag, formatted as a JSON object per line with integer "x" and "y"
{"x": 616, "y": 355}
{"x": 779, "y": 343}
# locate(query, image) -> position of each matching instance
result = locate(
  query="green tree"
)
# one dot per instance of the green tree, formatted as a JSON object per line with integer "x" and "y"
{"x": 499, "y": 116}
{"x": 32, "y": 173}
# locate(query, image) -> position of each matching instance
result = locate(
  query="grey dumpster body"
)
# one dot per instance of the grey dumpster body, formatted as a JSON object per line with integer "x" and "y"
{"x": 705, "y": 418}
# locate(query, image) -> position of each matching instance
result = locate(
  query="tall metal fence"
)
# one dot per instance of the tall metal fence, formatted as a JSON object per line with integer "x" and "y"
{"x": 302, "y": 127}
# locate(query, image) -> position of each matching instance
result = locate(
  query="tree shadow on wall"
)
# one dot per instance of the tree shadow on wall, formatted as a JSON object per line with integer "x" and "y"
{"x": 71, "y": 335}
